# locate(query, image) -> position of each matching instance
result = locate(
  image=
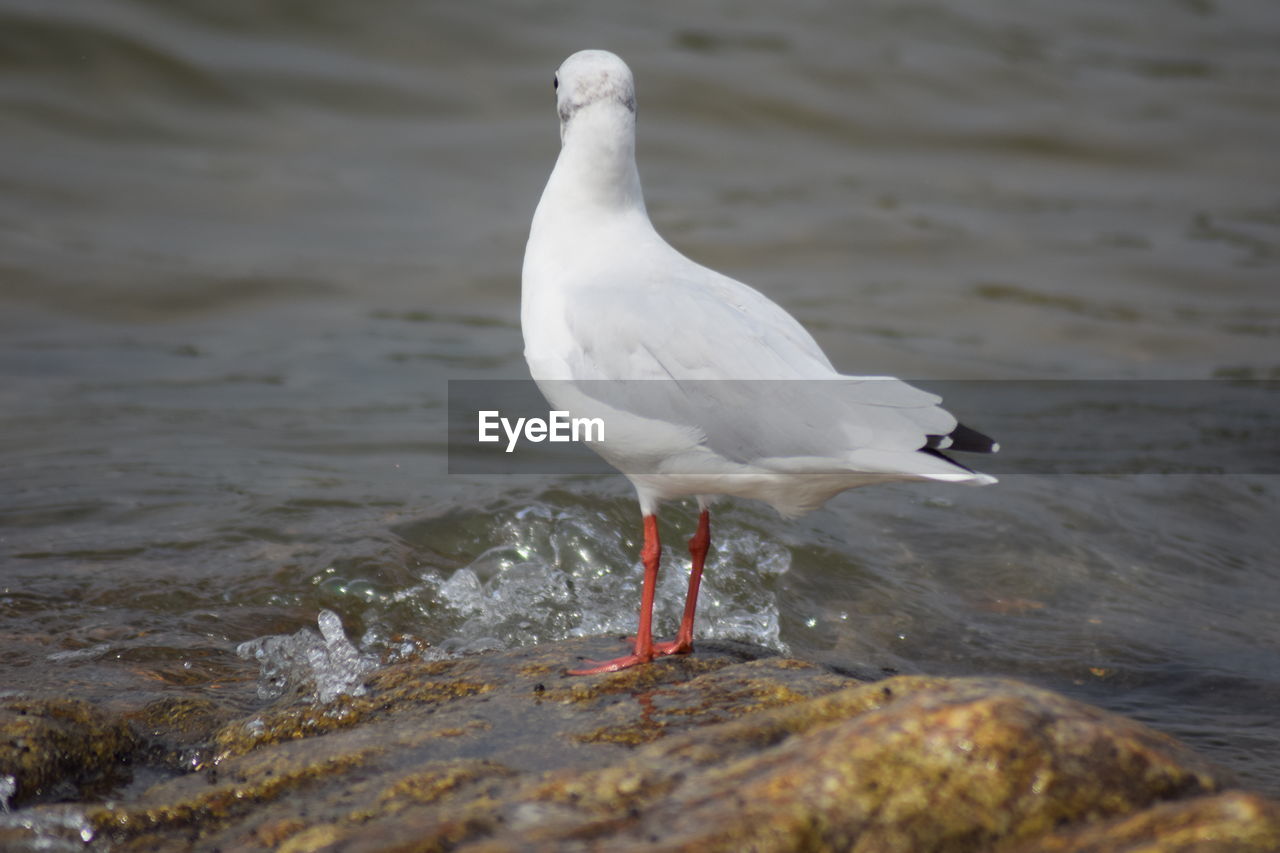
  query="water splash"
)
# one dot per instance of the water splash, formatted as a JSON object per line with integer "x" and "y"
{"x": 326, "y": 661}
{"x": 572, "y": 572}
{"x": 541, "y": 573}
{"x": 53, "y": 827}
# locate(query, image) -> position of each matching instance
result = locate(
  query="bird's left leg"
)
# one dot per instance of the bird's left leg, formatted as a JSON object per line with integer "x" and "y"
{"x": 698, "y": 546}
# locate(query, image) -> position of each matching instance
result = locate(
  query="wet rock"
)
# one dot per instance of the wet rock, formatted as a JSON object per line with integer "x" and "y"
{"x": 177, "y": 733}
{"x": 1234, "y": 822}
{"x": 59, "y": 748}
{"x": 713, "y": 751}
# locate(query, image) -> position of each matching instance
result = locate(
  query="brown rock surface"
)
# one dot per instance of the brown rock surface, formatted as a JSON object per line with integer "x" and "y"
{"x": 1233, "y": 822}
{"x": 713, "y": 751}
{"x": 58, "y": 743}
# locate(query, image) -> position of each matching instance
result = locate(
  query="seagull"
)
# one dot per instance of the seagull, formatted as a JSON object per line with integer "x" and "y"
{"x": 704, "y": 385}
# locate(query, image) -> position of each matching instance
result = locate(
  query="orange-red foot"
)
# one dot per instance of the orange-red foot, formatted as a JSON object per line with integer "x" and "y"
{"x": 675, "y": 647}
{"x": 598, "y": 666}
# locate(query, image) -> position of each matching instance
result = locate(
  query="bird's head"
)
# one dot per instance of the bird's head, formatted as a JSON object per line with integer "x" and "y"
{"x": 592, "y": 80}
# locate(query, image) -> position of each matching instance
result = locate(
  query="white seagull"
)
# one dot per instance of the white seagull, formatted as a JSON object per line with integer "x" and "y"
{"x": 704, "y": 385}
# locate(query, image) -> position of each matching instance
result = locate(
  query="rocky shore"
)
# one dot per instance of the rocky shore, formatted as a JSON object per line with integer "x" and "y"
{"x": 715, "y": 751}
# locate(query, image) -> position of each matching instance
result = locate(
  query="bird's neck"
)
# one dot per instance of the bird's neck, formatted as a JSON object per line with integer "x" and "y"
{"x": 595, "y": 173}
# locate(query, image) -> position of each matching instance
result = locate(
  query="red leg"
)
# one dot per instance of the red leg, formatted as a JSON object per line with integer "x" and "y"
{"x": 698, "y": 545}
{"x": 643, "y": 651}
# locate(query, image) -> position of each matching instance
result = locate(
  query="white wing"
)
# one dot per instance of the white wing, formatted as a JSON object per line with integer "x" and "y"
{"x": 695, "y": 349}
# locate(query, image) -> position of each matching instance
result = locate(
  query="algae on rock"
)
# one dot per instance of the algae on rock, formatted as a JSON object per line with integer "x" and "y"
{"x": 715, "y": 751}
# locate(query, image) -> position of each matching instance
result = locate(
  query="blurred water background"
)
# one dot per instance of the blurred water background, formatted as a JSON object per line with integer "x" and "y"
{"x": 243, "y": 247}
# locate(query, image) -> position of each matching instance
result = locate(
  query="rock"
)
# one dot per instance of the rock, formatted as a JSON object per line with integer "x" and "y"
{"x": 713, "y": 751}
{"x": 1234, "y": 822}
{"x": 176, "y": 733}
{"x": 59, "y": 747}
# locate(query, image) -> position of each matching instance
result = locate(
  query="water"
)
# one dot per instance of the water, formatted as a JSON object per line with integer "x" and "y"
{"x": 243, "y": 251}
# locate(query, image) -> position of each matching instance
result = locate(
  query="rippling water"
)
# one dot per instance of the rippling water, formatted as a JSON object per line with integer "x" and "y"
{"x": 243, "y": 249}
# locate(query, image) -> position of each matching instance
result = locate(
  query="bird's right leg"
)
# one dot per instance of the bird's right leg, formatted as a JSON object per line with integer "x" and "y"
{"x": 643, "y": 651}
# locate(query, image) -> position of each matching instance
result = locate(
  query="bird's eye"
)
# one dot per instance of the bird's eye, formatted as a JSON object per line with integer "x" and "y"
{"x": 555, "y": 81}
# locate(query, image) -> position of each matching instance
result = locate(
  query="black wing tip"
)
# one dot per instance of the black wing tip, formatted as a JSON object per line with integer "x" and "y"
{"x": 964, "y": 440}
